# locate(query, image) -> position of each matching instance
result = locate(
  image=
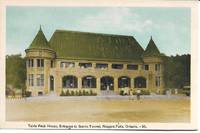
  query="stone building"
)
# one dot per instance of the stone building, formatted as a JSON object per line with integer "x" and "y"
{"x": 103, "y": 63}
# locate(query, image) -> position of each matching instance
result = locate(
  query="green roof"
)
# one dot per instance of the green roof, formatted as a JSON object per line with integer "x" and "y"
{"x": 95, "y": 46}
{"x": 40, "y": 41}
{"x": 151, "y": 49}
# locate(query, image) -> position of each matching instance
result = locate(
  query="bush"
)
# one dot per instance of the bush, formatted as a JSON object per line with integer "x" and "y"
{"x": 145, "y": 92}
{"x": 76, "y": 93}
{"x": 28, "y": 93}
{"x": 91, "y": 93}
{"x": 67, "y": 93}
{"x": 94, "y": 94}
{"x": 62, "y": 93}
{"x": 80, "y": 93}
{"x": 121, "y": 92}
{"x": 87, "y": 93}
{"x": 72, "y": 93}
{"x": 84, "y": 93}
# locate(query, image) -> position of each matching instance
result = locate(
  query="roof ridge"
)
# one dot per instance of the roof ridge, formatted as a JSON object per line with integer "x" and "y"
{"x": 93, "y": 33}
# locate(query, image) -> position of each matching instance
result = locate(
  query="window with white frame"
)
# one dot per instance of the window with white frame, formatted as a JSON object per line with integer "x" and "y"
{"x": 157, "y": 81}
{"x": 67, "y": 64}
{"x": 157, "y": 67}
{"x": 40, "y": 79}
{"x": 30, "y": 79}
{"x": 30, "y": 63}
{"x": 40, "y": 62}
{"x": 101, "y": 66}
{"x": 85, "y": 65}
{"x": 132, "y": 67}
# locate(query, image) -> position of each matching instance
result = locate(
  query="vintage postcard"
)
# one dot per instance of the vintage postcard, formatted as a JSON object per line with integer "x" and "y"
{"x": 127, "y": 65}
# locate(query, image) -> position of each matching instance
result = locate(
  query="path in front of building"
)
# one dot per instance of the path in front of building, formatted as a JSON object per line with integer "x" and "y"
{"x": 100, "y": 97}
{"x": 100, "y": 109}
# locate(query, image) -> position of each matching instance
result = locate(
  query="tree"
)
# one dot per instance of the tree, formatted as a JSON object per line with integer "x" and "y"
{"x": 176, "y": 70}
{"x": 15, "y": 71}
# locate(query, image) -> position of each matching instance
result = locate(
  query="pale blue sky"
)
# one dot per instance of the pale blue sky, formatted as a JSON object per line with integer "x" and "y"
{"x": 170, "y": 27}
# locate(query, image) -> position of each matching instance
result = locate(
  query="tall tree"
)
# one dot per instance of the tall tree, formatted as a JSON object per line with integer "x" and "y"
{"x": 15, "y": 71}
{"x": 176, "y": 71}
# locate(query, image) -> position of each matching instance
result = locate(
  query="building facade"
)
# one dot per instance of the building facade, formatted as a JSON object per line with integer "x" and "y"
{"x": 102, "y": 63}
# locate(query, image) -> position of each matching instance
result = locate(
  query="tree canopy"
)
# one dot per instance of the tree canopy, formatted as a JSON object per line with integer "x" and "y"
{"x": 176, "y": 71}
{"x": 15, "y": 71}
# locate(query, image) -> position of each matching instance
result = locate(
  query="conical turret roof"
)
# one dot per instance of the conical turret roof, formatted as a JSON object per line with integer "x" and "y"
{"x": 151, "y": 49}
{"x": 40, "y": 41}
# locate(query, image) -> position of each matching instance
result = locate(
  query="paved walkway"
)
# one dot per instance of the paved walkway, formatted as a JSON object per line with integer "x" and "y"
{"x": 108, "y": 97}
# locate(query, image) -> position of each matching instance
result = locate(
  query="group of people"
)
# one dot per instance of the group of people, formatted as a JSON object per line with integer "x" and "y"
{"x": 138, "y": 93}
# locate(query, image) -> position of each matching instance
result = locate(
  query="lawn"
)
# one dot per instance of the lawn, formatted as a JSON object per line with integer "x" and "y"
{"x": 145, "y": 110}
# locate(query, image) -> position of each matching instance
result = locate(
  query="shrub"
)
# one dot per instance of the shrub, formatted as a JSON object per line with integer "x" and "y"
{"x": 145, "y": 92}
{"x": 72, "y": 93}
{"x": 28, "y": 93}
{"x": 76, "y": 93}
{"x": 91, "y": 93}
{"x": 94, "y": 94}
{"x": 62, "y": 93}
{"x": 84, "y": 93}
{"x": 67, "y": 93}
{"x": 80, "y": 93}
{"x": 87, "y": 93}
{"x": 121, "y": 92}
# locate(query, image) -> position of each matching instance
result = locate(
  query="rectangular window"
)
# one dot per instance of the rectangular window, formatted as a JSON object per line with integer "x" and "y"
{"x": 157, "y": 67}
{"x": 85, "y": 65}
{"x": 30, "y": 63}
{"x": 40, "y": 62}
{"x": 117, "y": 66}
{"x": 67, "y": 64}
{"x": 146, "y": 67}
{"x": 30, "y": 80}
{"x": 101, "y": 66}
{"x": 52, "y": 64}
{"x": 132, "y": 67}
{"x": 40, "y": 79}
{"x": 157, "y": 81}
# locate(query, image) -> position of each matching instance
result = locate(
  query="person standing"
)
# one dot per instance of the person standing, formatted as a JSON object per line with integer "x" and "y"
{"x": 138, "y": 94}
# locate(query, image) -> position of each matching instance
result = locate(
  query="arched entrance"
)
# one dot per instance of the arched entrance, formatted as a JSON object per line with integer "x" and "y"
{"x": 69, "y": 81}
{"x": 107, "y": 83}
{"x": 51, "y": 83}
{"x": 140, "y": 82}
{"x": 124, "y": 82}
{"x": 89, "y": 82}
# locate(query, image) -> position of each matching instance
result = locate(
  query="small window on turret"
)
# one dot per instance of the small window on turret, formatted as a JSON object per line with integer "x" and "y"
{"x": 30, "y": 63}
{"x": 52, "y": 64}
{"x": 40, "y": 62}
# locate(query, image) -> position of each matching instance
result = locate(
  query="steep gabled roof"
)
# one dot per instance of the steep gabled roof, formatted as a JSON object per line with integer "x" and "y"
{"x": 95, "y": 46}
{"x": 151, "y": 49}
{"x": 40, "y": 41}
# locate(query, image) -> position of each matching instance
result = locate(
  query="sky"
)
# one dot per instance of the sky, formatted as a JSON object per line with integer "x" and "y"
{"x": 169, "y": 27}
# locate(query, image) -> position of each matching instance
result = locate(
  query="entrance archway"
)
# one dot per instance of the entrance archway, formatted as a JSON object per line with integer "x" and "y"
{"x": 69, "y": 81}
{"x": 140, "y": 82}
{"x": 124, "y": 82}
{"x": 89, "y": 82}
{"x": 107, "y": 83}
